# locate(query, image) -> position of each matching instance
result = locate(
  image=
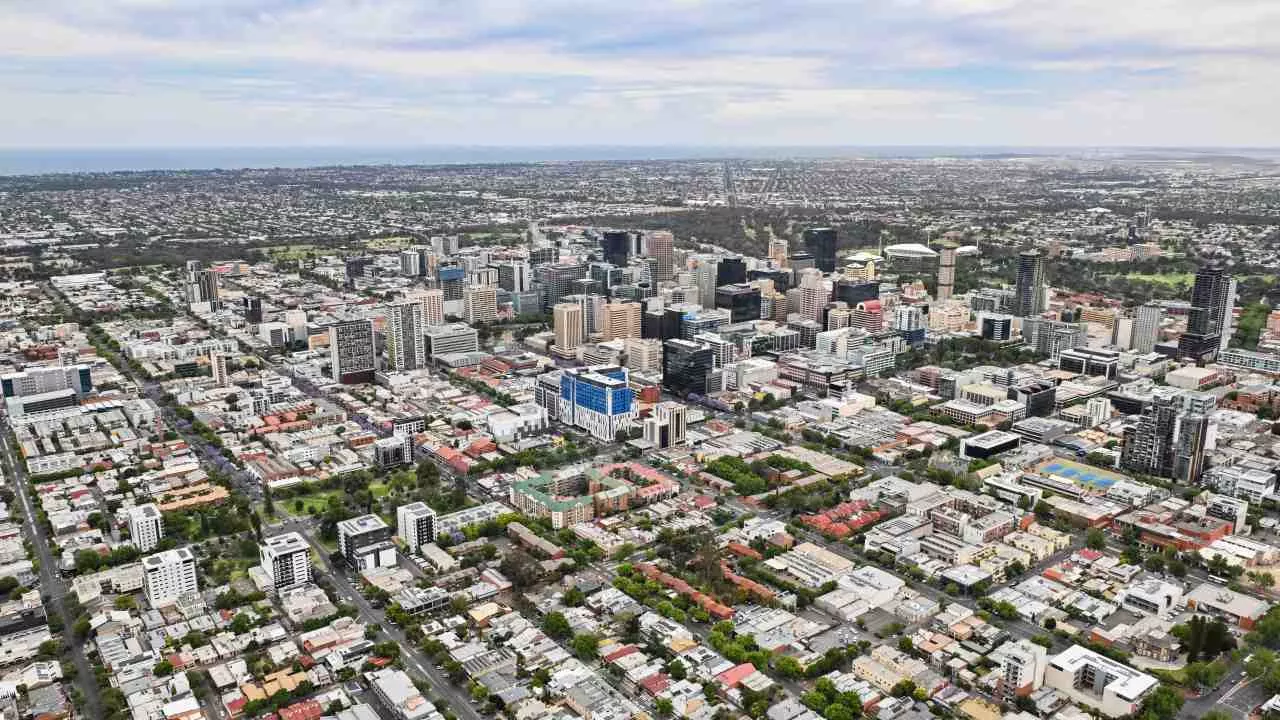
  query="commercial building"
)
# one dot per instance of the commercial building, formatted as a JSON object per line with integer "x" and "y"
{"x": 352, "y": 355}
{"x": 1090, "y": 361}
{"x": 1146, "y": 328}
{"x": 685, "y": 367}
{"x": 1029, "y": 285}
{"x": 741, "y": 300}
{"x": 1238, "y": 609}
{"x": 450, "y": 339}
{"x": 1209, "y": 318}
{"x": 989, "y": 444}
{"x": 621, "y": 320}
{"x": 41, "y": 380}
{"x": 821, "y": 243}
{"x": 569, "y": 324}
{"x": 405, "y": 347}
{"x": 480, "y": 304}
{"x": 416, "y": 525}
{"x": 598, "y": 399}
{"x": 666, "y": 426}
{"x": 169, "y": 575}
{"x": 661, "y": 245}
{"x": 146, "y": 526}
{"x": 286, "y": 559}
{"x": 365, "y": 542}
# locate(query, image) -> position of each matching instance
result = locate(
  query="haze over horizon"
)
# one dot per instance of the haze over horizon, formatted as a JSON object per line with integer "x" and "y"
{"x": 264, "y": 73}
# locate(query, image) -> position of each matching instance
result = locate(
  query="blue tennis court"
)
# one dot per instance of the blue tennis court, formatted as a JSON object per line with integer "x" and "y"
{"x": 1082, "y": 475}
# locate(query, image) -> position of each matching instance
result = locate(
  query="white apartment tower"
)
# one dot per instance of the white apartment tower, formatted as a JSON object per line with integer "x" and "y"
{"x": 416, "y": 525}
{"x": 286, "y": 559}
{"x": 146, "y": 526}
{"x": 480, "y": 303}
{"x": 404, "y": 343}
{"x": 433, "y": 306}
{"x": 218, "y": 362}
{"x": 168, "y": 576}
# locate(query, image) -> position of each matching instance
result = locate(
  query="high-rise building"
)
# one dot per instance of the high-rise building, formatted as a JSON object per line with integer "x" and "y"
{"x": 286, "y": 559}
{"x": 365, "y": 542}
{"x": 821, "y": 242}
{"x": 852, "y": 292}
{"x": 1146, "y": 327}
{"x": 662, "y": 249}
{"x": 411, "y": 263}
{"x": 569, "y": 325}
{"x": 615, "y": 246}
{"x": 598, "y": 399}
{"x": 643, "y": 355}
{"x": 996, "y": 326}
{"x": 685, "y": 367}
{"x": 146, "y": 526}
{"x": 451, "y": 280}
{"x": 480, "y": 304}
{"x": 1029, "y": 286}
{"x": 405, "y": 347}
{"x": 621, "y": 320}
{"x": 1212, "y": 298}
{"x": 169, "y": 575}
{"x": 1171, "y": 436}
{"x": 741, "y": 300}
{"x": 355, "y": 267}
{"x": 433, "y": 307}
{"x": 514, "y": 276}
{"x": 416, "y": 525}
{"x": 778, "y": 251}
{"x": 666, "y": 426}
{"x": 946, "y": 272}
{"x": 352, "y": 356}
{"x": 813, "y": 295}
{"x": 731, "y": 271}
{"x": 705, "y": 278}
{"x": 868, "y": 315}
{"x": 202, "y": 284}
{"x": 252, "y": 306}
{"x": 218, "y": 363}
{"x": 557, "y": 281}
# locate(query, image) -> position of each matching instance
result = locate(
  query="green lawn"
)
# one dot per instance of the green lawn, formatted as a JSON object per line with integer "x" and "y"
{"x": 318, "y": 501}
{"x": 1171, "y": 279}
{"x": 379, "y": 490}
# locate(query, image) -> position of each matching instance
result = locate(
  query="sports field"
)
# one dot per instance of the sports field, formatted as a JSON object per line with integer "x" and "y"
{"x": 1082, "y": 475}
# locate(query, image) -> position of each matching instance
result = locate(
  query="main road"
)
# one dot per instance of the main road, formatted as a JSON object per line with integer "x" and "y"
{"x": 52, "y": 586}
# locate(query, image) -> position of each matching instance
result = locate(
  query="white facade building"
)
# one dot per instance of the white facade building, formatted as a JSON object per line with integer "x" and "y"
{"x": 286, "y": 559}
{"x": 146, "y": 526}
{"x": 168, "y": 576}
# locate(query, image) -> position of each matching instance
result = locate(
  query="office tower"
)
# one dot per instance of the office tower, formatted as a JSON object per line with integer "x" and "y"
{"x": 411, "y": 264}
{"x": 839, "y": 317}
{"x": 599, "y": 400}
{"x": 731, "y": 271}
{"x": 643, "y": 355}
{"x": 365, "y": 542}
{"x": 252, "y": 306}
{"x": 404, "y": 346}
{"x": 451, "y": 338}
{"x": 567, "y": 319}
{"x": 299, "y": 328}
{"x": 615, "y": 246}
{"x": 606, "y": 276}
{"x": 662, "y": 249}
{"x": 592, "y": 313}
{"x": 168, "y": 575}
{"x": 146, "y": 526}
{"x": 703, "y": 321}
{"x": 821, "y": 243}
{"x": 1146, "y": 327}
{"x": 741, "y": 300}
{"x": 685, "y": 367}
{"x": 666, "y": 426}
{"x": 909, "y": 321}
{"x": 352, "y": 356}
{"x": 286, "y": 559}
{"x": 202, "y": 284}
{"x": 480, "y": 304}
{"x": 1029, "y": 287}
{"x": 433, "y": 307}
{"x": 416, "y": 525}
{"x": 218, "y": 364}
{"x": 621, "y": 320}
{"x": 852, "y": 292}
{"x": 705, "y": 278}
{"x": 813, "y": 295}
{"x": 946, "y": 272}
{"x": 514, "y": 276}
{"x": 544, "y": 255}
{"x": 1171, "y": 436}
{"x": 996, "y": 327}
{"x": 482, "y": 277}
{"x": 778, "y": 251}
{"x": 355, "y": 267}
{"x": 868, "y": 315}
{"x": 557, "y": 281}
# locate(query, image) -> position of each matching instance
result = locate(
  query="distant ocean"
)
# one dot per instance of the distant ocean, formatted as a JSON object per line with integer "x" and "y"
{"x": 71, "y": 160}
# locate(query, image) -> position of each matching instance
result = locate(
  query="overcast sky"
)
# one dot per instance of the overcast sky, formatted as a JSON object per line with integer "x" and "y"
{"x": 120, "y": 73}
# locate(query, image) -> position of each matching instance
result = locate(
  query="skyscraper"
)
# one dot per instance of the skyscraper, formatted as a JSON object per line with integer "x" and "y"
{"x": 218, "y": 362}
{"x": 615, "y": 245}
{"x": 1209, "y": 318}
{"x": 202, "y": 284}
{"x": 821, "y": 242}
{"x": 1029, "y": 287}
{"x": 741, "y": 300}
{"x": 568, "y": 322}
{"x": 685, "y": 367}
{"x": 514, "y": 276}
{"x": 706, "y": 274}
{"x": 1146, "y": 327}
{"x": 557, "y": 281}
{"x": 621, "y": 320}
{"x": 662, "y": 249}
{"x": 352, "y": 356}
{"x": 598, "y": 399}
{"x": 252, "y": 309}
{"x": 403, "y": 342}
{"x": 813, "y": 295}
{"x": 480, "y": 304}
{"x": 1171, "y": 436}
{"x": 146, "y": 526}
{"x": 730, "y": 271}
{"x": 433, "y": 307}
{"x": 946, "y": 272}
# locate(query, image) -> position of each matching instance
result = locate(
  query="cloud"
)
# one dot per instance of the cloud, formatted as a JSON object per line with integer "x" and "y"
{"x": 509, "y": 72}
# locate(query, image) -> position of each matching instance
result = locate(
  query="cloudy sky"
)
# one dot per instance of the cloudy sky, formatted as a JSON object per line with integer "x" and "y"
{"x": 138, "y": 73}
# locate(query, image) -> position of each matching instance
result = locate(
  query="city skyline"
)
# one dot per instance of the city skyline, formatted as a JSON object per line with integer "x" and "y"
{"x": 169, "y": 73}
